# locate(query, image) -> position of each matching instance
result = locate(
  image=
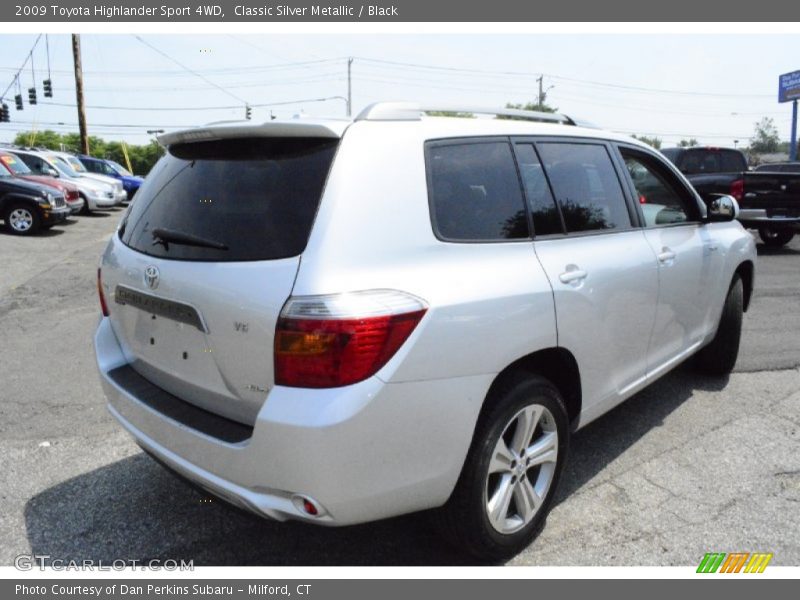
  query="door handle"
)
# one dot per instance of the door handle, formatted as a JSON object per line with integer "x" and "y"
{"x": 572, "y": 275}
{"x": 666, "y": 255}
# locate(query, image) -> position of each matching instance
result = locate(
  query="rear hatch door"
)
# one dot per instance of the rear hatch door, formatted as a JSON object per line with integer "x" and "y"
{"x": 205, "y": 259}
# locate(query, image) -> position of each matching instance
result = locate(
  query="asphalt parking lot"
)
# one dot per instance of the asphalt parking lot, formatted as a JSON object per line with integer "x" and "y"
{"x": 688, "y": 466}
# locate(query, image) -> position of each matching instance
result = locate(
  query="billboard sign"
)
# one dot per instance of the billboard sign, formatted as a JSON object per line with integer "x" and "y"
{"x": 789, "y": 86}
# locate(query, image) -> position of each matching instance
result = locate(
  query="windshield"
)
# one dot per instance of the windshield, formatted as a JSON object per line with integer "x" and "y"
{"x": 14, "y": 164}
{"x": 76, "y": 165}
{"x": 119, "y": 168}
{"x": 62, "y": 166}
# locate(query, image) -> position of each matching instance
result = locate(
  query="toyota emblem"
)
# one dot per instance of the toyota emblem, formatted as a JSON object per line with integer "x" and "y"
{"x": 151, "y": 276}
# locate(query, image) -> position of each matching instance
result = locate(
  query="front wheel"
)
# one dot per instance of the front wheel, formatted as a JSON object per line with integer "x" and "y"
{"x": 775, "y": 238}
{"x": 508, "y": 481}
{"x": 22, "y": 219}
{"x": 85, "y": 210}
{"x": 719, "y": 357}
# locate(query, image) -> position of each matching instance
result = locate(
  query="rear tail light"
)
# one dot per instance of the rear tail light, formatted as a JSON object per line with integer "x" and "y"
{"x": 73, "y": 195}
{"x": 737, "y": 189}
{"x": 340, "y": 339}
{"x": 103, "y": 305}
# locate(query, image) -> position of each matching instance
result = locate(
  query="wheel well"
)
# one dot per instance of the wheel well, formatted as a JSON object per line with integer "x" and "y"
{"x": 745, "y": 271}
{"x": 12, "y": 199}
{"x": 558, "y": 366}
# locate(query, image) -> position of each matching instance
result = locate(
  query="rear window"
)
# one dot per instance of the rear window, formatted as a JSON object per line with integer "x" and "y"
{"x": 475, "y": 192}
{"x": 694, "y": 162}
{"x": 257, "y": 198}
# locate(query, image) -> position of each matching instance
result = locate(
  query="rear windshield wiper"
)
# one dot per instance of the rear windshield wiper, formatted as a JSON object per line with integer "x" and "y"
{"x": 170, "y": 236}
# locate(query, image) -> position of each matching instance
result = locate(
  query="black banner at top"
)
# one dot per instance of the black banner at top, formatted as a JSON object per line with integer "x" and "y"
{"x": 400, "y": 11}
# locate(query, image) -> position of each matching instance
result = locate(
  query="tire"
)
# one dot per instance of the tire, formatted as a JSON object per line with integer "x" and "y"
{"x": 775, "y": 238}
{"x": 85, "y": 210}
{"x": 465, "y": 519}
{"x": 719, "y": 357}
{"x": 22, "y": 219}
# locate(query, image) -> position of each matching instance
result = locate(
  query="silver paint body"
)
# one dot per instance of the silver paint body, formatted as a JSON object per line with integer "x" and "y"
{"x": 396, "y": 442}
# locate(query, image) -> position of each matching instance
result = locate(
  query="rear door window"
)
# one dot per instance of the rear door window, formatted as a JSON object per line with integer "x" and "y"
{"x": 250, "y": 199}
{"x": 475, "y": 192}
{"x": 585, "y": 185}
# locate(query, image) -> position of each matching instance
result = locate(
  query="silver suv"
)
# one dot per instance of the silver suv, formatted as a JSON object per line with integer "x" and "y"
{"x": 343, "y": 321}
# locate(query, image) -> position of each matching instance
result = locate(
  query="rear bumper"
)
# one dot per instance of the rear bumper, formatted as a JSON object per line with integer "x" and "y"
{"x": 757, "y": 217}
{"x": 361, "y": 453}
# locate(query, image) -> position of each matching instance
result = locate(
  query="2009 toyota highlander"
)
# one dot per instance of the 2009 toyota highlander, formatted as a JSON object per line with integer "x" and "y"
{"x": 341, "y": 321}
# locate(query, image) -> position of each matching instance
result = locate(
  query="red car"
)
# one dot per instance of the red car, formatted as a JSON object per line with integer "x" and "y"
{"x": 19, "y": 169}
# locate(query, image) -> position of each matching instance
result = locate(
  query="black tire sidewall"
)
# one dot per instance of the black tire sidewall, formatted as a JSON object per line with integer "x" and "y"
{"x": 488, "y": 542}
{"x": 782, "y": 237}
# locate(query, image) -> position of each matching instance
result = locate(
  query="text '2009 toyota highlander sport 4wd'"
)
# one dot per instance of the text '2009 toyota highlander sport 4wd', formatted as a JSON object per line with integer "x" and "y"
{"x": 339, "y": 321}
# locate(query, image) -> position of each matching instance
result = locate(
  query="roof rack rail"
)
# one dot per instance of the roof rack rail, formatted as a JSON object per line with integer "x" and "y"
{"x": 410, "y": 111}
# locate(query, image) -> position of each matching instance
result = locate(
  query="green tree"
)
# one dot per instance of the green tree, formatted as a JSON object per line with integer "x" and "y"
{"x": 534, "y": 106}
{"x": 653, "y": 141}
{"x": 765, "y": 137}
{"x": 450, "y": 113}
{"x": 142, "y": 157}
{"x": 40, "y": 139}
{"x": 684, "y": 143}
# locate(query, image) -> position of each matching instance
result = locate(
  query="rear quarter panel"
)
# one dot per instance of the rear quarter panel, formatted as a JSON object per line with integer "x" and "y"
{"x": 490, "y": 303}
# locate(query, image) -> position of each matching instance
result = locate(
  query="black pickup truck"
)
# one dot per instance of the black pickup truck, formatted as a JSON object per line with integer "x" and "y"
{"x": 768, "y": 200}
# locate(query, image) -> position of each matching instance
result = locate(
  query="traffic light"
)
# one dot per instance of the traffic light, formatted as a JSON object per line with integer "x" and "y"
{"x": 18, "y": 101}
{"x": 248, "y": 112}
{"x": 47, "y": 84}
{"x": 32, "y": 95}
{"x": 5, "y": 115}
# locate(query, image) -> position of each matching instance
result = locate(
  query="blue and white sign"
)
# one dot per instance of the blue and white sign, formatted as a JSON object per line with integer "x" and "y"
{"x": 789, "y": 87}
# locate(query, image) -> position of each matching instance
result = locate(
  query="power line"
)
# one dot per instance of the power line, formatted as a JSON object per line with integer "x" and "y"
{"x": 557, "y": 77}
{"x": 198, "y": 108}
{"x": 25, "y": 62}
{"x": 184, "y": 67}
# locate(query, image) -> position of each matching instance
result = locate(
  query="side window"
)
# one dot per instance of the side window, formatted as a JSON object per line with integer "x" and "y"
{"x": 34, "y": 163}
{"x": 92, "y": 166}
{"x": 662, "y": 200}
{"x": 475, "y": 192}
{"x": 585, "y": 185}
{"x": 546, "y": 219}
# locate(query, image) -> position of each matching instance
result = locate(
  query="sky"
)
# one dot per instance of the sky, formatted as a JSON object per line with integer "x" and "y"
{"x": 712, "y": 87}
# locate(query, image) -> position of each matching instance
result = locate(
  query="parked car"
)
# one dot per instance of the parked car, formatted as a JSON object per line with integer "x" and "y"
{"x": 77, "y": 166}
{"x": 28, "y": 207}
{"x": 339, "y": 322}
{"x": 16, "y": 167}
{"x": 769, "y": 201}
{"x": 96, "y": 194}
{"x": 102, "y": 166}
{"x": 781, "y": 167}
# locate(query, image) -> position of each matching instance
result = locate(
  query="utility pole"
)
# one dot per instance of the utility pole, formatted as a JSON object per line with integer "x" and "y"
{"x": 349, "y": 87}
{"x": 76, "y": 55}
{"x": 541, "y": 92}
{"x": 793, "y": 143}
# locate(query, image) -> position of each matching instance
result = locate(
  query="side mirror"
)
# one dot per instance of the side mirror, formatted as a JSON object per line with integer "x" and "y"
{"x": 722, "y": 209}
{"x": 51, "y": 172}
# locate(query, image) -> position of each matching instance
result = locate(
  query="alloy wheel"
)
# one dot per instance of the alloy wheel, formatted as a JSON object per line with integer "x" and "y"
{"x": 521, "y": 469}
